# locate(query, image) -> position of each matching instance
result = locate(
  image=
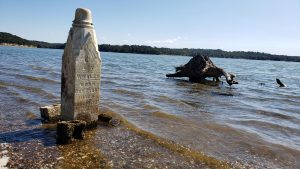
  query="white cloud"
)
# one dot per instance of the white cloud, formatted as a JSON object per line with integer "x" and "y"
{"x": 170, "y": 41}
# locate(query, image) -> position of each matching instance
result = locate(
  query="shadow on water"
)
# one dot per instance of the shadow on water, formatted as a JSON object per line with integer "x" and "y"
{"x": 46, "y": 135}
{"x": 32, "y": 122}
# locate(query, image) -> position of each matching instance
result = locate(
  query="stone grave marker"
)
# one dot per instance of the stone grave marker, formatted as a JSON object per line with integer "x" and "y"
{"x": 81, "y": 71}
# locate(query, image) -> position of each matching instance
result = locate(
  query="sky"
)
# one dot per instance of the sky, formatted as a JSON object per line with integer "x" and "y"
{"x": 271, "y": 26}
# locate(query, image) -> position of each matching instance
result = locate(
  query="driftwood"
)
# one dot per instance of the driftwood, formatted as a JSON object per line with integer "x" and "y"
{"x": 280, "y": 83}
{"x": 200, "y": 67}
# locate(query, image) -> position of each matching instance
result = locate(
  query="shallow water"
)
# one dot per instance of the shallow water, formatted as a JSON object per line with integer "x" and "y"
{"x": 254, "y": 122}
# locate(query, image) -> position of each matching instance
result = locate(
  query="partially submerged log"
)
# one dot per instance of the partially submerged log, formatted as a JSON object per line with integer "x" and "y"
{"x": 201, "y": 67}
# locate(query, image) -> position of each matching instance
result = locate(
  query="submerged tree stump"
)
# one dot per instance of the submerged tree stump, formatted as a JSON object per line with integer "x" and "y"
{"x": 201, "y": 67}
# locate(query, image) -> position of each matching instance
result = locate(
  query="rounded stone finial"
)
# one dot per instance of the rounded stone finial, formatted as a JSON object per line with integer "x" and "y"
{"x": 83, "y": 18}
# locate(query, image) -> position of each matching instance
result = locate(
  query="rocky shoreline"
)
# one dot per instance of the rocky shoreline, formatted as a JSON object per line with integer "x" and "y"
{"x": 124, "y": 146}
{"x": 17, "y": 45}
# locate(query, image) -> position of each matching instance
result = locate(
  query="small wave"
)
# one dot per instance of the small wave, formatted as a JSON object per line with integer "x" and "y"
{"x": 171, "y": 145}
{"x": 276, "y": 115}
{"x": 2, "y": 86}
{"x": 192, "y": 103}
{"x": 23, "y": 100}
{"x": 264, "y": 126}
{"x": 5, "y": 73}
{"x": 150, "y": 107}
{"x": 165, "y": 115}
{"x": 54, "y": 74}
{"x": 35, "y": 67}
{"x": 128, "y": 93}
{"x": 108, "y": 82}
{"x": 29, "y": 89}
{"x": 32, "y": 78}
{"x": 10, "y": 69}
{"x": 163, "y": 98}
{"x": 166, "y": 99}
{"x": 17, "y": 96}
{"x": 39, "y": 79}
{"x": 222, "y": 93}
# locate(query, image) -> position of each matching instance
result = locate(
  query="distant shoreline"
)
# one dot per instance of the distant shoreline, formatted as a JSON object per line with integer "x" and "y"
{"x": 13, "y": 40}
{"x": 17, "y": 45}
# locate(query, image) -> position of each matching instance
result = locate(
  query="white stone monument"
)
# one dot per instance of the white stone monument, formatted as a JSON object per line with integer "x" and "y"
{"x": 81, "y": 70}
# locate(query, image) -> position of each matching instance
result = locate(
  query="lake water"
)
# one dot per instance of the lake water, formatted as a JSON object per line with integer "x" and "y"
{"x": 254, "y": 122}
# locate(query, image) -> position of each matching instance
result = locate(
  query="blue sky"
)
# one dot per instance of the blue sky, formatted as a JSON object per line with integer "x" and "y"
{"x": 271, "y": 26}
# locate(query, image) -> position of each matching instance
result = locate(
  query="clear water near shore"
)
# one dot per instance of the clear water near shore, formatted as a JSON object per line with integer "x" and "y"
{"x": 254, "y": 122}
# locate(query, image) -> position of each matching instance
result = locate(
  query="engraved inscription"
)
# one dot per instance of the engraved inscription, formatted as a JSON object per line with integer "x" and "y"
{"x": 87, "y": 82}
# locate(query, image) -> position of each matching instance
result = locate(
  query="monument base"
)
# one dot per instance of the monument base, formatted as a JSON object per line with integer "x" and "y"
{"x": 51, "y": 113}
{"x": 66, "y": 131}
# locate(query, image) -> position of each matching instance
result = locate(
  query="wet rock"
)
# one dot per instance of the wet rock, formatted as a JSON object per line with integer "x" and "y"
{"x": 79, "y": 127}
{"x": 64, "y": 132}
{"x": 67, "y": 130}
{"x": 108, "y": 120}
{"x": 104, "y": 118}
{"x": 91, "y": 125}
{"x": 114, "y": 122}
{"x": 50, "y": 113}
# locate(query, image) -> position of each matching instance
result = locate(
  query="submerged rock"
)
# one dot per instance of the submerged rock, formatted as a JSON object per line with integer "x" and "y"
{"x": 107, "y": 119}
{"x": 104, "y": 118}
{"x": 114, "y": 122}
{"x": 200, "y": 67}
{"x": 91, "y": 125}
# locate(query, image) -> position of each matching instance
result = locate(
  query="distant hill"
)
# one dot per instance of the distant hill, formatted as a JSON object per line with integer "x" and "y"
{"x": 7, "y": 38}
{"x": 192, "y": 52}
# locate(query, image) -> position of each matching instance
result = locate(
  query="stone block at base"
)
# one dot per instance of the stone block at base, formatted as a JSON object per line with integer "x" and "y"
{"x": 79, "y": 127}
{"x": 50, "y": 113}
{"x": 66, "y": 131}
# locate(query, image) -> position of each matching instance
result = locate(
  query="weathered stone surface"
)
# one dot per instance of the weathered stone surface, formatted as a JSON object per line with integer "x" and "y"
{"x": 114, "y": 122}
{"x": 200, "y": 67}
{"x": 104, "y": 118}
{"x": 108, "y": 120}
{"x": 64, "y": 132}
{"x": 81, "y": 69}
{"x": 79, "y": 127}
{"x": 50, "y": 113}
{"x": 91, "y": 125}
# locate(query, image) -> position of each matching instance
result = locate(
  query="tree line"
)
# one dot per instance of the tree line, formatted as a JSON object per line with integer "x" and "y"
{"x": 142, "y": 49}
